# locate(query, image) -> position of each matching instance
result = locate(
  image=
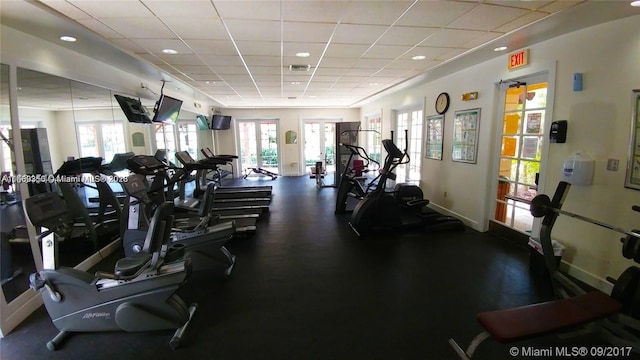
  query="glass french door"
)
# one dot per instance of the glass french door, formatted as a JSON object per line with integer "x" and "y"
{"x": 409, "y": 123}
{"x": 101, "y": 140}
{"x": 258, "y": 142}
{"x": 522, "y": 140}
{"x": 320, "y": 146}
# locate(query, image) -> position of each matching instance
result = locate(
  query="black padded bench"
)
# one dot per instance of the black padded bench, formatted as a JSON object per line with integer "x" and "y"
{"x": 514, "y": 324}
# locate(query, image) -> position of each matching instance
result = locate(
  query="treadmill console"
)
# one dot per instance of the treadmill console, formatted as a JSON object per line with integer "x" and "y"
{"x": 145, "y": 165}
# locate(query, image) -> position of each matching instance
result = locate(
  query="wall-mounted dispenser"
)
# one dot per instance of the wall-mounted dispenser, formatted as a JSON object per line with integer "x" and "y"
{"x": 558, "y": 132}
{"x": 578, "y": 169}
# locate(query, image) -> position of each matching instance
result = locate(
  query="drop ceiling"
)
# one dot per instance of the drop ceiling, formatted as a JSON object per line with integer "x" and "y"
{"x": 238, "y": 53}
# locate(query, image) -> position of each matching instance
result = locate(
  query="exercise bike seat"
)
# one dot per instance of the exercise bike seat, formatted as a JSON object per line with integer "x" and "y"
{"x": 130, "y": 266}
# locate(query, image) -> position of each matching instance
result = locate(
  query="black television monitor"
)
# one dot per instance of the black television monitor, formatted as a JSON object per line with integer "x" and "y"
{"x": 221, "y": 122}
{"x": 133, "y": 110}
{"x": 167, "y": 109}
{"x": 202, "y": 122}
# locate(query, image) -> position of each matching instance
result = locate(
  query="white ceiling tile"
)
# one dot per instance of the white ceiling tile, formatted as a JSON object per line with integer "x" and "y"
{"x": 262, "y": 60}
{"x": 194, "y": 69}
{"x": 521, "y": 21}
{"x": 227, "y": 60}
{"x": 326, "y": 78}
{"x": 451, "y": 54}
{"x": 372, "y": 63}
{"x": 330, "y": 71}
{"x": 345, "y": 50}
{"x": 307, "y": 32}
{"x": 182, "y": 8}
{"x": 430, "y": 52}
{"x": 268, "y": 84}
{"x": 386, "y": 51}
{"x": 180, "y": 59}
{"x": 412, "y": 64}
{"x": 132, "y": 27}
{"x": 313, "y": 11}
{"x": 314, "y": 49}
{"x": 66, "y": 9}
{"x": 153, "y": 59}
{"x": 112, "y": 8}
{"x": 559, "y": 5}
{"x": 451, "y": 38}
{"x": 254, "y": 30}
{"x": 392, "y": 72}
{"x": 338, "y": 62}
{"x": 157, "y": 45}
{"x": 429, "y": 13}
{"x": 482, "y": 39}
{"x": 357, "y": 34}
{"x": 265, "y": 70}
{"x": 100, "y": 29}
{"x": 267, "y": 77}
{"x": 405, "y": 35}
{"x": 207, "y": 29}
{"x": 217, "y": 47}
{"x": 264, "y": 48}
{"x": 260, "y": 10}
{"x": 296, "y": 78}
{"x": 486, "y": 17}
{"x": 360, "y": 72}
{"x": 529, "y": 4}
{"x": 128, "y": 45}
{"x": 374, "y": 12}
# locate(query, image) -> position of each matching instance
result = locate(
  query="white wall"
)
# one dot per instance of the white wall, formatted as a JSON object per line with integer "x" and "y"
{"x": 599, "y": 122}
{"x": 288, "y": 119}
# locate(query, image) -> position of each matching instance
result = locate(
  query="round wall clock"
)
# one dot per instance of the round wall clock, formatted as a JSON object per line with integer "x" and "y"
{"x": 442, "y": 103}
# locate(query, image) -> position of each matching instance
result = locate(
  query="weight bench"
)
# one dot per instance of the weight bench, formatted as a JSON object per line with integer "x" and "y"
{"x": 261, "y": 171}
{"x": 514, "y": 324}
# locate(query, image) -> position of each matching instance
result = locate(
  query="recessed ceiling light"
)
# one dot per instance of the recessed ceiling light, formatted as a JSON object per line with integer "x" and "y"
{"x": 419, "y": 57}
{"x": 635, "y": 3}
{"x": 500, "y": 48}
{"x": 303, "y": 54}
{"x": 373, "y": 84}
{"x": 312, "y": 96}
{"x": 68, "y": 38}
{"x": 169, "y": 51}
{"x": 295, "y": 83}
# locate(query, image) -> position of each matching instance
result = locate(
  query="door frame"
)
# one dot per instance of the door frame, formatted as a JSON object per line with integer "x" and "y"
{"x": 548, "y": 69}
{"x": 257, "y": 121}
{"x": 302, "y": 168}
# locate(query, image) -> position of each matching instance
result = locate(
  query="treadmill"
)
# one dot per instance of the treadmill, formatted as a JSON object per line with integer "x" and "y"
{"x": 213, "y": 164}
{"x": 208, "y": 153}
{"x": 161, "y": 189}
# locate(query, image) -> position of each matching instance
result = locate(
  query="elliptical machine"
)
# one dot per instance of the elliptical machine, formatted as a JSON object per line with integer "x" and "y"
{"x": 138, "y": 296}
{"x": 382, "y": 210}
{"x": 350, "y": 186}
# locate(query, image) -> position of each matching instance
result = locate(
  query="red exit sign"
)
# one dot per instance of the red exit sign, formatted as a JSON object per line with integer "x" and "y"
{"x": 518, "y": 59}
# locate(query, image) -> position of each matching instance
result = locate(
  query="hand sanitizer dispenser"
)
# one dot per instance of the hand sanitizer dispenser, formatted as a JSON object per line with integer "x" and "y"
{"x": 578, "y": 169}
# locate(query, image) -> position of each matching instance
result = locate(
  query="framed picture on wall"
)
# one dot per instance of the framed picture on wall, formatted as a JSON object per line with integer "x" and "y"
{"x": 433, "y": 139}
{"x": 632, "y": 180}
{"x": 465, "y": 135}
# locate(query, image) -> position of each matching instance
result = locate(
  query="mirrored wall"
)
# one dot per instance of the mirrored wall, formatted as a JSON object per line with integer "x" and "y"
{"x": 61, "y": 121}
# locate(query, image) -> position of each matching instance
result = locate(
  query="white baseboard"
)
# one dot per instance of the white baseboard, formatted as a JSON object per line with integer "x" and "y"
{"x": 587, "y": 277}
{"x": 467, "y": 221}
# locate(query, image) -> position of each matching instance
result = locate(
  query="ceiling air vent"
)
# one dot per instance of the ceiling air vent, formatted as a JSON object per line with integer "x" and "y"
{"x": 299, "y": 67}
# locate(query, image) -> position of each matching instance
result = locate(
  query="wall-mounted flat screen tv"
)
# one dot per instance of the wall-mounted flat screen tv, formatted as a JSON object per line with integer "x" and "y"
{"x": 133, "y": 110}
{"x": 221, "y": 122}
{"x": 202, "y": 122}
{"x": 167, "y": 109}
